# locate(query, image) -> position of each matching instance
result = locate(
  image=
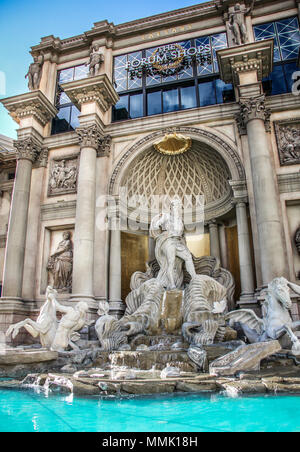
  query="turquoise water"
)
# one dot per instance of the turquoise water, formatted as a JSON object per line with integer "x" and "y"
{"x": 27, "y": 411}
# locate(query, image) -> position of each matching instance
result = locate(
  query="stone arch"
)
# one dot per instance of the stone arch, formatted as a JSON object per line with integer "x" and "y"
{"x": 221, "y": 146}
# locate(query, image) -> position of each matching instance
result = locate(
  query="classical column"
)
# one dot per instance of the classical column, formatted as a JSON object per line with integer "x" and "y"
{"x": 246, "y": 268}
{"x": 223, "y": 246}
{"x": 115, "y": 277}
{"x": 83, "y": 262}
{"x": 215, "y": 250}
{"x": 27, "y": 150}
{"x": 255, "y": 117}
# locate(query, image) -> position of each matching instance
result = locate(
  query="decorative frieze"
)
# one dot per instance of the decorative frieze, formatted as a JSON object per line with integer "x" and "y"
{"x": 63, "y": 175}
{"x": 27, "y": 149}
{"x": 60, "y": 264}
{"x": 288, "y": 141}
{"x": 253, "y": 108}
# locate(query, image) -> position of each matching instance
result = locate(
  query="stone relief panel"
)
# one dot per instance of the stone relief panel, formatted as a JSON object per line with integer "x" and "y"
{"x": 63, "y": 176}
{"x": 60, "y": 261}
{"x": 288, "y": 141}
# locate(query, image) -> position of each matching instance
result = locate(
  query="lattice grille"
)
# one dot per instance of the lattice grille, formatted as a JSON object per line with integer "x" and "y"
{"x": 200, "y": 171}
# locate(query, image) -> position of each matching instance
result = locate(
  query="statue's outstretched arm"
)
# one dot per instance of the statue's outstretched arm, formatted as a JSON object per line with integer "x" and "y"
{"x": 295, "y": 288}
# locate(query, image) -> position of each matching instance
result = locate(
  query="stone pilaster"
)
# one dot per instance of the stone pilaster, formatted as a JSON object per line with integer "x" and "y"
{"x": 215, "y": 249}
{"x": 246, "y": 268}
{"x": 27, "y": 151}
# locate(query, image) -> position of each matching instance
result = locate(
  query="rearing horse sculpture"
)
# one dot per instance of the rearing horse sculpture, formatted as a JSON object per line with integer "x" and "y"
{"x": 276, "y": 320}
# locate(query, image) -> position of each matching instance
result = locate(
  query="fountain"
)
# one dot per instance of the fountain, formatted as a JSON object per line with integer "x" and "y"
{"x": 176, "y": 333}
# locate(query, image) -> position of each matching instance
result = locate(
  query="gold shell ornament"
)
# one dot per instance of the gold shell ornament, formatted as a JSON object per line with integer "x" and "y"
{"x": 173, "y": 144}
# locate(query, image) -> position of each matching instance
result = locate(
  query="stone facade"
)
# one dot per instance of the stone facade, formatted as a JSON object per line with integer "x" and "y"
{"x": 244, "y": 157}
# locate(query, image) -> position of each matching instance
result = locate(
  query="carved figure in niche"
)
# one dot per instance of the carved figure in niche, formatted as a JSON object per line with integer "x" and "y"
{"x": 289, "y": 145}
{"x": 95, "y": 61}
{"x": 35, "y": 72}
{"x": 60, "y": 264}
{"x": 171, "y": 250}
{"x": 237, "y": 23}
{"x": 63, "y": 177}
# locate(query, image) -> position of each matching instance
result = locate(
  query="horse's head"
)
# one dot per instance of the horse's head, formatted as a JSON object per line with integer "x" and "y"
{"x": 279, "y": 289}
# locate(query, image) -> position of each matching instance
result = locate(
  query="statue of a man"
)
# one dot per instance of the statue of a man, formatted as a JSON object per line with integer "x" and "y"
{"x": 237, "y": 23}
{"x": 61, "y": 264}
{"x": 95, "y": 61}
{"x": 171, "y": 250}
{"x": 73, "y": 320}
{"x": 34, "y": 73}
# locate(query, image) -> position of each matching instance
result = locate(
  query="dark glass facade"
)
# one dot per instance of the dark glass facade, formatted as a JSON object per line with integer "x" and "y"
{"x": 286, "y": 35}
{"x": 67, "y": 117}
{"x": 196, "y": 86}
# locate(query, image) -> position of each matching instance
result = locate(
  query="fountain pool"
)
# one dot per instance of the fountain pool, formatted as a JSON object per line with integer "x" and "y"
{"x": 30, "y": 411}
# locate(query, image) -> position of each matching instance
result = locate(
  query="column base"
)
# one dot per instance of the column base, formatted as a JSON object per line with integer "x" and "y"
{"x": 117, "y": 308}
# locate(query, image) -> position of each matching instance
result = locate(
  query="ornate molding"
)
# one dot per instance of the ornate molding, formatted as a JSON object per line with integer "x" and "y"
{"x": 288, "y": 141}
{"x": 58, "y": 210}
{"x": 253, "y": 108}
{"x": 255, "y": 56}
{"x": 297, "y": 240}
{"x": 34, "y": 104}
{"x": 42, "y": 158}
{"x": 27, "y": 149}
{"x": 289, "y": 183}
{"x": 97, "y": 89}
{"x": 92, "y": 136}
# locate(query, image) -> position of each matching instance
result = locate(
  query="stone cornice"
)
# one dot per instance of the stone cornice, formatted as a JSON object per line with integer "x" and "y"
{"x": 240, "y": 191}
{"x": 255, "y": 56}
{"x": 34, "y": 104}
{"x": 289, "y": 182}
{"x": 108, "y": 31}
{"x": 97, "y": 89}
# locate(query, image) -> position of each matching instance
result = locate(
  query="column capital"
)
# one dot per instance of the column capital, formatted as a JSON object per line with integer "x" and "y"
{"x": 91, "y": 135}
{"x": 255, "y": 57}
{"x": 253, "y": 108}
{"x": 33, "y": 105}
{"x": 97, "y": 90}
{"x": 27, "y": 149}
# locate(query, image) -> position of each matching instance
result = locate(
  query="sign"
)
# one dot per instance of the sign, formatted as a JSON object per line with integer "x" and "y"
{"x": 169, "y": 60}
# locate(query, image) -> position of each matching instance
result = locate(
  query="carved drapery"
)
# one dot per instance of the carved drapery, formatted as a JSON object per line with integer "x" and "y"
{"x": 253, "y": 108}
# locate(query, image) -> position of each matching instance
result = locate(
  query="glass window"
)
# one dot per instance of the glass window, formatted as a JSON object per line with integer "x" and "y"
{"x": 154, "y": 105}
{"x": 136, "y": 106}
{"x": 121, "y": 110}
{"x": 170, "y": 100}
{"x": 67, "y": 117}
{"x": 286, "y": 35}
{"x": 207, "y": 93}
{"x": 188, "y": 97}
{"x": 225, "y": 92}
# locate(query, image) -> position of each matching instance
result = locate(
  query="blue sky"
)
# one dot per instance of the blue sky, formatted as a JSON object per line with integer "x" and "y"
{"x": 24, "y": 22}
